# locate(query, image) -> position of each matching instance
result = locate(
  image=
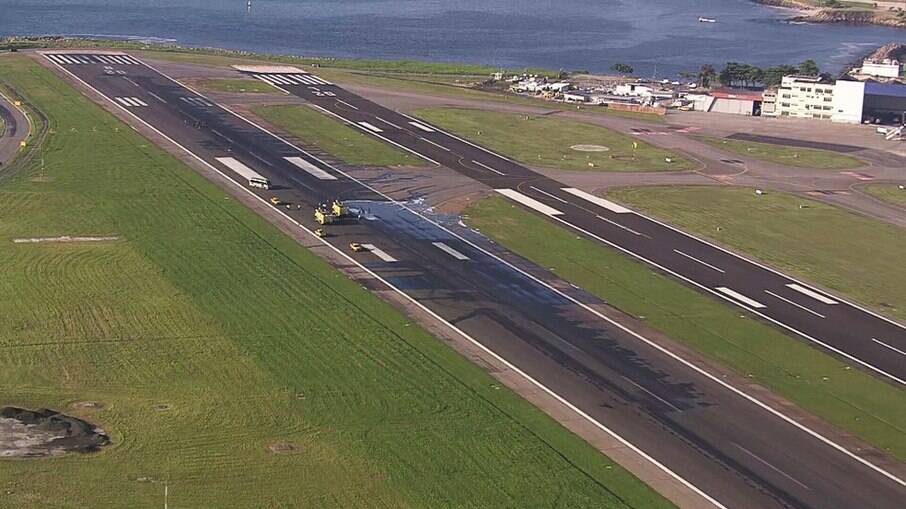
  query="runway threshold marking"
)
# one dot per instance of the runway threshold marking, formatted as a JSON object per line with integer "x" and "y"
{"x": 889, "y": 347}
{"x": 380, "y": 253}
{"x": 488, "y": 167}
{"x": 131, "y": 101}
{"x": 811, "y": 293}
{"x": 371, "y": 127}
{"x": 618, "y": 225}
{"x": 310, "y": 168}
{"x": 529, "y": 202}
{"x": 450, "y": 251}
{"x": 601, "y": 202}
{"x": 694, "y": 259}
{"x": 422, "y": 127}
{"x": 800, "y": 306}
{"x": 740, "y": 297}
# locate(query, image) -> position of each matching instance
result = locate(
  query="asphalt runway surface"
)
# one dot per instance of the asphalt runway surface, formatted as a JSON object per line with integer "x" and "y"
{"x": 15, "y": 129}
{"x": 790, "y": 142}
{"x": 733, "y": 449}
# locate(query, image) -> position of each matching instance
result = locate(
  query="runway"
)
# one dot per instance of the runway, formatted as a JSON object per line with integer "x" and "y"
{"x": 856, "y": 334}
{"x": 717, "y": 439}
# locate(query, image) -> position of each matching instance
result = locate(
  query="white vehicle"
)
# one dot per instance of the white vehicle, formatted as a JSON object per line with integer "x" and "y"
{"x": 254, "y": 178}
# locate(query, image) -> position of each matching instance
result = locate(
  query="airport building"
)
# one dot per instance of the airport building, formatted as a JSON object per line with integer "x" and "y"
{"x": 804, "y": 97}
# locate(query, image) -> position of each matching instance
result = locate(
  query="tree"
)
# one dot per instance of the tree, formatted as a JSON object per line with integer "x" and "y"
{"x": 744, "y": 75}
{"x": 706, "y": 75}
{"x": 809, "y": 67}
{"x": 774, "y": 75}
{"x": 622, "y": 68}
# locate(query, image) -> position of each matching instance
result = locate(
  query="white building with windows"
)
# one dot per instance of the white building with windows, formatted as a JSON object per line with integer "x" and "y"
{"x": 881, "y": 68}
{"x": 804, "y": 97}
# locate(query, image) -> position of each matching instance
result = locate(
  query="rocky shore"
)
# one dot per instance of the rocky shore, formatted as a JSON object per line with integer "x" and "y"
{"x": 849, "y": 16}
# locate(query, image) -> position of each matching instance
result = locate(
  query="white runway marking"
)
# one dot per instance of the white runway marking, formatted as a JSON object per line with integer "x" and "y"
{"x": 426, "y": 140}
{"x": 265, "y": 79}
{"x": 391, "y": 124}
{"x": 55, "y": 59}
{"x": 601, "y": 202}
{"x": 235, "y": 165}
{"x": 346, "y": 104}
{"x": 885, "y": 345}
{"x": 549, "y": 195}
{"x": 529, "y": 202}
{"x": 68, "y": 60}
{"x": 380, "y": 253}
{"x": 371, "y": 127}
{"x": 310, "y": 168}
{"x": 423, "y": 127}
{"x": 104, "y": 59}
{"x": 488, "y": 168}
{"x": 811, "y": 293}
{"x": 740, "y": 297}
{"x": 131, "y": 101}
{"x": 653, "y": 395}
{"x": 120, "y": 60}
{"x": 450, "y": 251}
{"x": 618, "y": 225}
{"x": 772, "y": 467}
{"x": 694, "y": 259}
{"x": 800, "y": 306}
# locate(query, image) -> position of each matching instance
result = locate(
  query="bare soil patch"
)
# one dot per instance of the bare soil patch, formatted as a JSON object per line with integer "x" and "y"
{"x": 45, "y": 432}
{"x": 64, "y": 238}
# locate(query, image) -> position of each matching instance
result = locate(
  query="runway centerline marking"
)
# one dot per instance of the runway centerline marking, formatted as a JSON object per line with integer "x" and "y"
{"x": 740, "y": 297}
{"x": 772, "y": 467}
{"x": 811, "y": 293}
{"x": 601, "y": 202}
{"x": 435, "y": 144}
{"x": 694, "y": 259}
{"x": 653, "y": 395}
{"x": 310, "y": 168}
{"x": 388, "y": 123}
{"x": 618, "y": 225}
{"x": 347, "y": 104}
{"x": 423, "y": 127}
{"x": 800, "y": 306}
{"x": 549, "y": 195}
{"x": 488, "y": 167}
{"x": 371, "y": 127}
{"x": 529, "y": 202}
{"x": 890, "y": 347}
{"x": 450, "y": 251}
{"x": 380, "y": 253}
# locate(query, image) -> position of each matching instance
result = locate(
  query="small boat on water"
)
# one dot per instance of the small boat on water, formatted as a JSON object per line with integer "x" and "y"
{"x": 706, "y": 20}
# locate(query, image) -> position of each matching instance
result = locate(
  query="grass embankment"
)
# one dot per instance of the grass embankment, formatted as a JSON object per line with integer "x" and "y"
{"x": 891, "y": 193}
{"x": 237, "y": 86}
{"x": 845, "y": 252}
{"x": 849, "y": 398}
{"x": 335, "y": 137}
{"x": 786, "y": 155}
{"x": 547, "y": 141}
{"x": 208, "y": 336}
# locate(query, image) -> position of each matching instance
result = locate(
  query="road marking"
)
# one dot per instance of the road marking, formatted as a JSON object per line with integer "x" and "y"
{"x": 811, "y": 293}
{"x": 435, "y": 144}
{"x": 800, "y": 306}
{"x": 310, "y": 168}
{"x": 772, "y": 467}
{"x": 488, "y": 168}
{"x": 371, "y": 127}
{"x": 601, "y": 202}
{"x": 159, "y": 98}
{"x": 347, "y": 104}
{"x": 55, "y": 59}
{"x": 235, "y": 165}
{"x": 467, "y": 142}
{"x": 895, "y": 349}
{"x": 423, "y": 127}
{"x": 706, "y": 264}
{"x": 691, "y": 365}
{"x": 68, "y": 60}
{"x": 380, "y": 253}
{"x": 618, "y": 225}
{"x": 653, "y": 395}
{"x": 740, "y": 297}
{"x": 265, "y": 79}
{"x": 450, "y": 251}
{"x": 529, "y": 202}
{"x": 282, "y": 80}
{"x": 549, "y": 195}
{"x": 306, "y": 80}
{"x": 389, "y": 123}
{"x": 119, "y": 59}
{"x": 319, "y": 80}
{"x": 139, "y": 101}
{"x": 104, "y": 59}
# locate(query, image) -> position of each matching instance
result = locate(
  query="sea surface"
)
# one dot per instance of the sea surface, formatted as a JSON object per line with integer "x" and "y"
{"x": 657, "y": 37}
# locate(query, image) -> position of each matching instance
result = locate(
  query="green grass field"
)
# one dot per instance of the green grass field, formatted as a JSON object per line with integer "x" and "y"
{"x": 849, "y": 398}
{"x": 842, "y": 251}
{"x": 786, "y": 155}
{"x": 335, "y": 137}
{"x": 890, "y": 193}
{"x": 547, "y": 141}
{"x": 208, "y": 336}
{"x": 238, "y": 85}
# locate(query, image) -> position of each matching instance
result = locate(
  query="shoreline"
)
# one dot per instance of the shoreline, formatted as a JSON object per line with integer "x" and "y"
{"x": 807, "y": 13}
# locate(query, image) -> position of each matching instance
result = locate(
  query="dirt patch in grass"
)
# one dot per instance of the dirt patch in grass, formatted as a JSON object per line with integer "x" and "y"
{"x": 64, "y": 238}
{"x": 283, "y": 447}
{"x": 44, "y": 432}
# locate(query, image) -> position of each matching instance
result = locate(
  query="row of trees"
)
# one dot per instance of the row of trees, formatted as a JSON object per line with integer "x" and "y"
{"x": 736, "y": 74}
